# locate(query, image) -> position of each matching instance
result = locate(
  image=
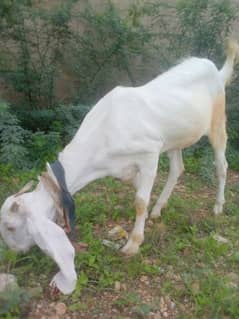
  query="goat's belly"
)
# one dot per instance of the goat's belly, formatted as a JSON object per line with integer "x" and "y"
{"x": 179, "y": 140}
{"x": 181, "y": 144}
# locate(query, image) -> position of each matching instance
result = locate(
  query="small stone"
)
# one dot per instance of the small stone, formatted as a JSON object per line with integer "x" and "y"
{"x": 154, "y": 315}
{"x": 117, "y": 233}
{"x": 172, "y": 305}
{"x": 195, "y": 287}
{"x": 150, "y": 222}
{"x": 60, "y": 308}
{"x": 117, "y": 286}
{"x": 162, "y": 304}
{"x": 220, "y": 239}
{"x": 7, "y": 281}
{"x": 111, "y": 244}
{"x": 233, "y": 280}
{"x": 35, "y": 292}
{"x": 123, "y": 287}
{"x": 167, "y": 300}
{"x": 144, "y": 279}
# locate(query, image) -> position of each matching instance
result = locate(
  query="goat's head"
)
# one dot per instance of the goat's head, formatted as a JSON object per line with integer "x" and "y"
{"x": 13, "y": 221}
{"x": 28, "y": 218}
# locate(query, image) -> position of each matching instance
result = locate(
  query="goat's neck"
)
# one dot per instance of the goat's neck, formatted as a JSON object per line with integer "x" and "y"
{"x": 81, "y": 162}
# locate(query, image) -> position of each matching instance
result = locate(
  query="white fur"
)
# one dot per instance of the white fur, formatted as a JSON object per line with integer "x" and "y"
{"x": 123, "y": 136}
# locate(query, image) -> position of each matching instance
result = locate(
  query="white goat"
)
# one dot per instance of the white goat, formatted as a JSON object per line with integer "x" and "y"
{"x": 123, "y": 136}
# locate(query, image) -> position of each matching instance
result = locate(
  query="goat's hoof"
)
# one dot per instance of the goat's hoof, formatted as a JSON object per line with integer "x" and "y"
{"x": 156, "y": 213}
{"x": 218, "y": 209}
{"x": 130, "y": 250}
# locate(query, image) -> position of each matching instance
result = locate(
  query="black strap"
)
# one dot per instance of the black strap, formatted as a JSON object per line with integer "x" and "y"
{"x": 67, "y": 200}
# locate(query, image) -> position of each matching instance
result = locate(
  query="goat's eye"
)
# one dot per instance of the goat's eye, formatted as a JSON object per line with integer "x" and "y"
{"x": 9, "y": 228}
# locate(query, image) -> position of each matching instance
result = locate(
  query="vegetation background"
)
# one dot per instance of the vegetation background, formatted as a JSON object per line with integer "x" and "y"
{"x": 57, "y": 58}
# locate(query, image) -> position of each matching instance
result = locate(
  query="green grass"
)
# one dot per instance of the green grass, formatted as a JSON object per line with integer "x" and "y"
{"x": 180, "y": 256}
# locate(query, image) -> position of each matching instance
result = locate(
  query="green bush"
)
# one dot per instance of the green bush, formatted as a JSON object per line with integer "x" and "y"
{"x": 12, "y": 135}
{"x": 43, "y": 147}
{"x": 22, "y": 149}
{"x": 30, "y": 64}
{"x": 111, "y": 46}
{"x": 14, "y": 303}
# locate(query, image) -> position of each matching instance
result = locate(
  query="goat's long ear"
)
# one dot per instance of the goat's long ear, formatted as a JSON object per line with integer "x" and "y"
{"x": 53, "y": 241}
{"x": 55, "y": 193}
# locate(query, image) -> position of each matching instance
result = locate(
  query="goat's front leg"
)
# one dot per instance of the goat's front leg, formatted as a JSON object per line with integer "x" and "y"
{"x": 144, "y": 183}
{"x": 175, "y": 170}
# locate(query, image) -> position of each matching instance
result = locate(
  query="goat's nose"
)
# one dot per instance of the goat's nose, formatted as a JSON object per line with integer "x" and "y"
{"x": 9, "y": 227}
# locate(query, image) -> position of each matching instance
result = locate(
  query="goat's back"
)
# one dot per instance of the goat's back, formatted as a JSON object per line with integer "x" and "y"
{"x": 174, "y": 109}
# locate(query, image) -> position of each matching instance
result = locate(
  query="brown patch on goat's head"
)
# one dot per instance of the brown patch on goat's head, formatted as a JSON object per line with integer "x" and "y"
{"x": 14, "y": 207}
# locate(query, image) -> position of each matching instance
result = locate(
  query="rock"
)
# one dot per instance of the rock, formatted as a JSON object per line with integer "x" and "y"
{"x": 111, "y": 244}
{"x": 124, "y": 287}
{"x": 60, "y": 308}
{"x": 172, "y": 305}
{"x": 162, "y": 304}
{"x": 154, "y": 315}
{"x": 220, "y": 239}
{"x": 137, "y": 313}
{"x": 36, "y": 292}
{"x": 117, "y": 286}
{"x": 7, "y": 281}
{"x": 232, "y": 280}
{"x": 196, "y": 287}
{"x": 144, "y": 279}
{"x": 117, "y": 233}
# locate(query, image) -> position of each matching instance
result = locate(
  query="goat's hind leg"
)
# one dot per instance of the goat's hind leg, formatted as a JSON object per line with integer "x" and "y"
{"x": 221, "y": 168}
{"x": 176, "y": 168}
{"x": 218, "y": 139}
{"x": 143, "y": 182}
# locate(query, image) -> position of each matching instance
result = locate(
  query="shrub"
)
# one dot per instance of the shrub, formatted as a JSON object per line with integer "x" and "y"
{"x": 36, "y": 39}
{"x": 68, "y": 119}
{"x": 110, "y": 47}
{"x": 43, "y": 147}
{"x": 12, "y": 149}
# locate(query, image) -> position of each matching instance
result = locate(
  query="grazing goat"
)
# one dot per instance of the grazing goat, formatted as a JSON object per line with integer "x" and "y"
{"x": 123, "y": 136}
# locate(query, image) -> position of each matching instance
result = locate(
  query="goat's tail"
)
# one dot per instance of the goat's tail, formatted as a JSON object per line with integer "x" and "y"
{"x": 232, "y": 58}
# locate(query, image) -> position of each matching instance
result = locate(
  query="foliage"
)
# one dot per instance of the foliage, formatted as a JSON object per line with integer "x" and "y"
{"x": 114, "y": 47}
{"x": 179, "y": 258}
{"x": 43, "y": 147}
{"x": 21, "y": 148}
{"x": 204, "y": 25}
{"x": 13, "y": 302}
{"x": 68, "y": 119}
{"x": 42, "y": 42}
{"x": 12, "y": 135}
{"x": 34, "y": 40}
{"x": 110, "y": 46}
